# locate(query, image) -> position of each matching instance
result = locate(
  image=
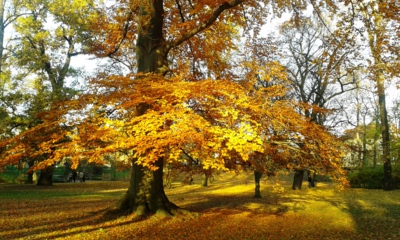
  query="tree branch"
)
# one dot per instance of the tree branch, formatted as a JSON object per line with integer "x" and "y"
{"x": 205, "y": 24}
{"x": 124, "y": 33}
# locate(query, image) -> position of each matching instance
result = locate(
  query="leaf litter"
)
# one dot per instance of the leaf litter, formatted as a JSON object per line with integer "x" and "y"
{"x": 224, "y": 210}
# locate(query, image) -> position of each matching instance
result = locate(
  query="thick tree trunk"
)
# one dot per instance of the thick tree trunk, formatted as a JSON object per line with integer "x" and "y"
{"x": 46, "y": 177}
{"x": 257, "y": 178}
{"x": 146, "y": 193}
{"x": 298, "y": 179}
{"x": 151, "y": 54}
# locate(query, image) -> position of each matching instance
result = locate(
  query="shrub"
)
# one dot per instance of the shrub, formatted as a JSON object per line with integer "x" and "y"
{"x": 372, "y": 178}
{"x": 11, "y": 174}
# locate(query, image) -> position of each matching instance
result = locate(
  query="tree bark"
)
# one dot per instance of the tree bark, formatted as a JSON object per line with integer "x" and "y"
{"x": 29, "y": 180}
{"x": 311, "y": 176}
{"x": 257, "y": 178}
{"x": 146, "y": 190}
{"x": 376, "y": 30}
{"x": 2, "y": 29}
{"x": 151, "y": 52}
{"x": 46, "y": 177}
{"x": 387, "y": 166}
{"x": 298, "y": 179}
{"x": 205, "y": 180}
{"x": 146, "y": 193}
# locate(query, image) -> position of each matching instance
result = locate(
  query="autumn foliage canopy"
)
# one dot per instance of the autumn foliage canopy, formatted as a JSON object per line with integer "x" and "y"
{"x": 207, "y": 99}
{"x": 220, "y": 122}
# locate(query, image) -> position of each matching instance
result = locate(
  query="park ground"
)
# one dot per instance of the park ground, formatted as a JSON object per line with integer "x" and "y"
{"x": 224, "y": 210}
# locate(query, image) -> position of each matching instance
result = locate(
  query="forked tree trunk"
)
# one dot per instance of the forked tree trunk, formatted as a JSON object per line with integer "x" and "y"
{"x": 257, "y": 178}
{"x": 298, "y": 179}
{"x": 146, "y": 193}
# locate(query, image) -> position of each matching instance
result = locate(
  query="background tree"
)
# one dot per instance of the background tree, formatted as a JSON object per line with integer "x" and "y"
{"x": 395, "y": 115}
{"x": 319, "y": 70}
{"x": 263, "y": 51}
{"x": 11, "y": 97}
{"x": 377, "y": 21}
{"x": 363, "y": 116}
{"x": 43, "y": 55}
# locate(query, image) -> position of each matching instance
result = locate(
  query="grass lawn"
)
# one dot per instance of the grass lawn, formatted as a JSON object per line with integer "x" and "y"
{"x": 224, "y": 210}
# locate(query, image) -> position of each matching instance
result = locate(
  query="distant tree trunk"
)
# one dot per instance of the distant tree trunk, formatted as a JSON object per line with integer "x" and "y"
{"x": 205, "y": 180}
{"x": 376, "y": 28}
{"x": 376, "y": 138}
{"x": 298, "y": 179}
{"x": 387, "y": 166}
{"x": 29, "y": 180}
{"x": 46, "y": 177}
{"x": 146, "y": 192}
{"x": 257, "y": 178}
{"x": 364, "y": 148}
{"x": 2, "y": 29}
{"x": 311, "y": 176}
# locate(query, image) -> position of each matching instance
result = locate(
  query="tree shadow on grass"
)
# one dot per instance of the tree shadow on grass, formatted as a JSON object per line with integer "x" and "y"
{"x": 29, "y": 211}
{"x": 266, "y": 205}
{"x": 55, "y": 218}
{"x": 243, "y": 217}
{"x": 217, "y": 212}
{"x": 77, "y": 222}
{"x": 376, "y": 213}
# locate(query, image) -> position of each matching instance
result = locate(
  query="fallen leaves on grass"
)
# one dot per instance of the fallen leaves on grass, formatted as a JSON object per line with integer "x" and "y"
{"x": 225, "y": 210}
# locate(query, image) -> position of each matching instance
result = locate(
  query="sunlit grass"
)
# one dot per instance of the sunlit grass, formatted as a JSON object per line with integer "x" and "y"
{"x": 226, "y": 210}
{"x": 113, "y": 190}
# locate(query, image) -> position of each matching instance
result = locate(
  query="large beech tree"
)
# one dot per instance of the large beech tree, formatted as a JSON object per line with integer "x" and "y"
{"x": 166, "y": 109}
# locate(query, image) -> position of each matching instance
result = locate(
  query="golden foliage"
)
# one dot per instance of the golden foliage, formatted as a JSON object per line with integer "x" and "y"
{"x": 215, "y": 114}
{"x": 220, "y": 122}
